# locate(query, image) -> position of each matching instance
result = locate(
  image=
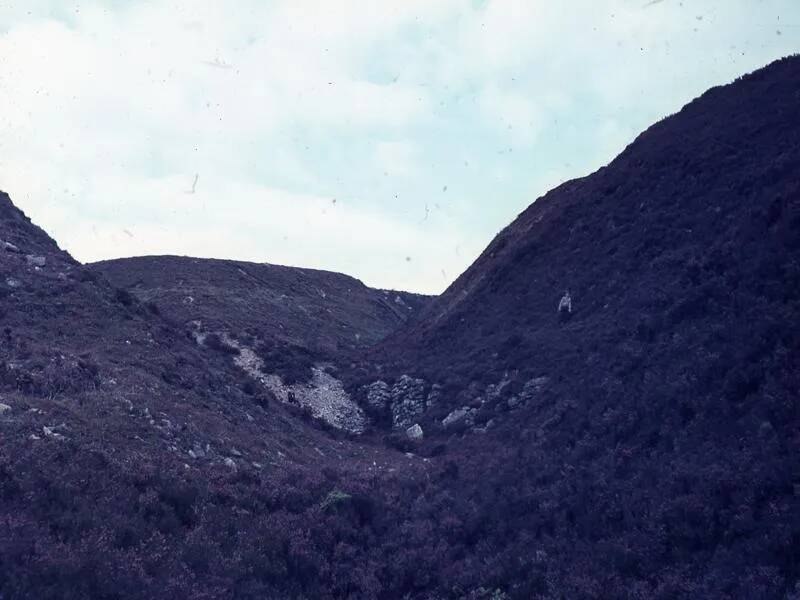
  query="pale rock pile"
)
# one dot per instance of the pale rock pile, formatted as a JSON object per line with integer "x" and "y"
{"x": 324, "y": 395}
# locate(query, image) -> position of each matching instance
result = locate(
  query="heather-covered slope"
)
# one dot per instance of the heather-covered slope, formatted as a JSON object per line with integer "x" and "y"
{"x": 648, "y": 445}
{"x": 317, "y": 310}
{"x": 692, "y": 228}
{"x": 136, "y": 462}
{"x": 644, "y": 448}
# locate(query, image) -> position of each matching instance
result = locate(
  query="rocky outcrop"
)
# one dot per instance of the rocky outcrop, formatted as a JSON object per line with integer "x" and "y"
{"x": 404, "y": 401}
{"x": 408, "y": 401}
{"x": 529, "y": 391}
{"x": 378, "y": 395}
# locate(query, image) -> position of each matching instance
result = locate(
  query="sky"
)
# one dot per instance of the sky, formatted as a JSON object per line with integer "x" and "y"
{"x": 387, "y": 140}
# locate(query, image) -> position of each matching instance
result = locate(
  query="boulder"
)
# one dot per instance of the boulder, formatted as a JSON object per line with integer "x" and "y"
{"x": 378, "y": 395}
{"x": 461, "y": 415}
{"x": 414, "y": 432}
{"x": 4, "y": 408}
{"x": 9, "y": 247}
{"x": 52, "y": 433}
{"x": 35, "y": 261}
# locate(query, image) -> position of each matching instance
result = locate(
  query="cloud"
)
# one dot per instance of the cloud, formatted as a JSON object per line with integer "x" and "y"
{"x": 513, "y": 113}
{"x": 396, "y": 157}
{"x": 267, "y": 225}
{"x": 111, "y": 109}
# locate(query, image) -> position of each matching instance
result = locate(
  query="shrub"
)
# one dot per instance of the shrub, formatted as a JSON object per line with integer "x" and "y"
{"x": 124, "y": 297}
{"x": 215, "y": 342}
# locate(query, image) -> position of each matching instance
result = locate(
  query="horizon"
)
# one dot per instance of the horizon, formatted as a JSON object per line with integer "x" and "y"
{"x": 390, "y": 146}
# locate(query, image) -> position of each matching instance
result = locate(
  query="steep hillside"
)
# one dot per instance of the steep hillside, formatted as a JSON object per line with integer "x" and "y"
{"x": 648, "y": 442}
{"x": 687, "y": 242}
{"x": 317, "y": 310}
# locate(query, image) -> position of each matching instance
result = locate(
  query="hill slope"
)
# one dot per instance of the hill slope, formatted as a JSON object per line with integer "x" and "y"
{"x": 644, "y": 448}
{"x": 653, "y": 435}
{"x": 318, "y": 310}
{"x": 120, "y": 435}
{"x": 692, "y": 229}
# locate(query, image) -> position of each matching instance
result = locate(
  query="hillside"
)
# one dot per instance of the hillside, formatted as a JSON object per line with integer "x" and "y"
{"x": 317, "y": 310}
{"x": 241, "y": 444}
{"x": 654, "y": 431}
{"x": 121, "y": 434}
{"x": 684, "y": 247}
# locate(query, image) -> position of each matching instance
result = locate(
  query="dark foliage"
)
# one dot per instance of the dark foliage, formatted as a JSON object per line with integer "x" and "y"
{"x": 215, "y": 342}
{"x": 293, "y": 363}
{"x": 660, "y": 461}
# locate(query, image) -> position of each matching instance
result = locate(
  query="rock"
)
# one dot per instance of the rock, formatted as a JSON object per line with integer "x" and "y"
{"x": 414, "y": 432}
{"x": 4, "y": 408}
{"x": 529, "y": 391}
{"x": 197, "y": 447}
{"x": 408, "y": 401}
{"x": 13, "y": 283}
{"x": 537, "y": 384}
{"x": 464, "y": 415}
{"x": 51, "y": 433}
{"x": 514, "y": 401}
{"x": 9, "y": 247}
{"x": 230, "y": 463}
{"x": 378, "y": 395}
{"x": 434, "y": 396}
{"x": 36, "y": 261}
{"x": 235, "y": 452}
{"x": 495, "y": 391}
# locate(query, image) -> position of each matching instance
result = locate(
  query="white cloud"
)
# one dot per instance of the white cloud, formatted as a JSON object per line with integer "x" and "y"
{"x": 513, "y": 113}
{"x": 396, "y": 157}
{"x": 110, "y": 110}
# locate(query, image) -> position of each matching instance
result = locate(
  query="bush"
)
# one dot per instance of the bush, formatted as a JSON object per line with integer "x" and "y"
{"x": 124, "y": 297}
{"x": 215, "y": 342}
{"x": 293, "y": 363}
